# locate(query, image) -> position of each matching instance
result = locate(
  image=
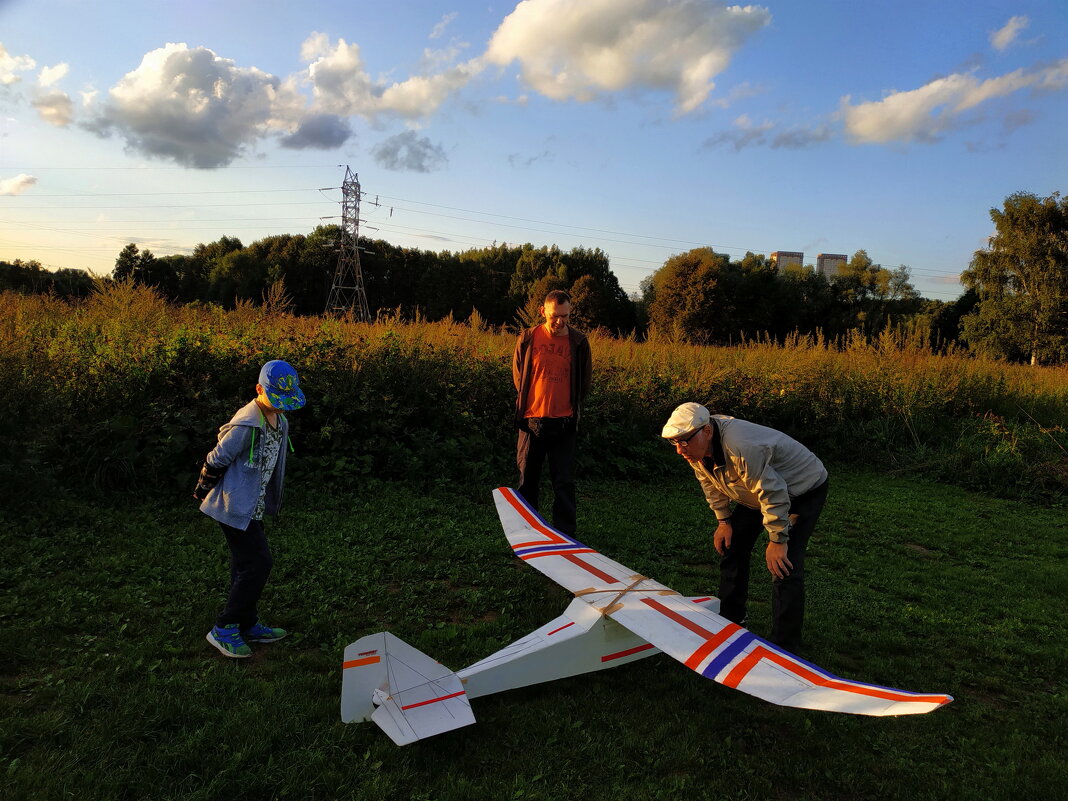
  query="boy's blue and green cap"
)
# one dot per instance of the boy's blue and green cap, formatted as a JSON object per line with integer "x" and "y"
{"x": 280, "y": 383}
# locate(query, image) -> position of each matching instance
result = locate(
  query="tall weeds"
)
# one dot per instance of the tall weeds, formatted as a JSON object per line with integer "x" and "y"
{"x": 125, "y": 391}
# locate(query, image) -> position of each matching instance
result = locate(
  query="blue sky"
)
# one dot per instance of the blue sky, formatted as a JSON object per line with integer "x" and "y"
{"x": 644, "y": 127}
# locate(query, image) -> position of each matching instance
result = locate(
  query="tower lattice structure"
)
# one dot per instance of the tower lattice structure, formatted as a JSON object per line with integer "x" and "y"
{"x": 347, "y": 292}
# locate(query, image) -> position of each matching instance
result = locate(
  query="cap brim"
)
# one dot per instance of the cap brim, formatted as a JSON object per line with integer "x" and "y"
{"x": 288, "y": 402}
{"x": 675, "y": 432}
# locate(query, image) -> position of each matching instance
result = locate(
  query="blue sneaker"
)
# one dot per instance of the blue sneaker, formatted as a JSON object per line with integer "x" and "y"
{"x": 229, "y": 642}
{"x": 262, "y": 633}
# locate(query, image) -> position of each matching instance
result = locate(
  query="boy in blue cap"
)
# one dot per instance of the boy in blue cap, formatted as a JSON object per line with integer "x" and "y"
{"x": 240, "y": 481}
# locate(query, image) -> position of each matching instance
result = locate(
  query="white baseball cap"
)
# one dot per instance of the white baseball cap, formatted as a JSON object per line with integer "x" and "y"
{"x": 686, "y": 418}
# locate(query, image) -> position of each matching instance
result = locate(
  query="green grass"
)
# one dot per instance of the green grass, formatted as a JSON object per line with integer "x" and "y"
{"x": 108, "y": 690}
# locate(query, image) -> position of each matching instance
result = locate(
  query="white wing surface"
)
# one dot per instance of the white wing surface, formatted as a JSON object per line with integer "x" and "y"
{"x": 702, "y": 640}
{"x": 563, "y": 559}
{"x": 408, "y": 694}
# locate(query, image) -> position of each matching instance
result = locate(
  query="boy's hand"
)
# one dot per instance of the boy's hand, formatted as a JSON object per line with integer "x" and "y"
{"x": 206, "y": 481}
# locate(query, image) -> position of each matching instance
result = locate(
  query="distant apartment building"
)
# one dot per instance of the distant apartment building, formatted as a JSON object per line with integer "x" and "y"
{"x": 830, "y": 264}
{"x": 787, "y": 258}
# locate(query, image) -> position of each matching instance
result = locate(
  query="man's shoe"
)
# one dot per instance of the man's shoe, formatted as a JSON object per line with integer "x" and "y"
{"x": 262, "y": 633}
{"x": 229, "y": 641}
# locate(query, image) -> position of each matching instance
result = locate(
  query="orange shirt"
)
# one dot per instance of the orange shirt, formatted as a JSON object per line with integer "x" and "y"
{"x": 550, "y": 378}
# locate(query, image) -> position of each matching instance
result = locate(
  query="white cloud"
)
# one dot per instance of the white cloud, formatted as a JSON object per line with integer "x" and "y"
{"x": 52, "y": 75}
{"x": 17, "y": 185}
{"x": 579, "y": 49}
{"x": 439, "y": 29}
{"x": 341, "y": 84}
{"x": 55, "y": 107}
{"x": 1006, "y": 35}
{"x": 742, "y": 91}
{"x": 420, "y": 96}
{"x": 191, "y": 106}
{"x": 11, "y": 65}
{"x": 925, "y": 114}
{"x": 315, "y": 46}
{"x": 436, "y": 60}
{"x": 800, "y": 137}
{"x": 745, "y": 134}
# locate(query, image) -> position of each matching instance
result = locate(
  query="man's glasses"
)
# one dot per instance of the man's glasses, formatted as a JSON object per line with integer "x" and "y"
{"x": 686, "y": 439}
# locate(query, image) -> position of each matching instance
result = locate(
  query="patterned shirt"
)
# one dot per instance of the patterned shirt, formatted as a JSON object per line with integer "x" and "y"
{"x": 271, "y": 445}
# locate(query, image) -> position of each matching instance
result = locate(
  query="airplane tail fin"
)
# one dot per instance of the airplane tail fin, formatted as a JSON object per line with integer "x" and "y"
{"x": 405, "y": 692}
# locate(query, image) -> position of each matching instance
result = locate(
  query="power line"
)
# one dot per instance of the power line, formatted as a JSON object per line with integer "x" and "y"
{"x": 169, "y": 206}
{"x": 183, "y": 169}
{"x": 571, "y": 230}
{"x": 420, "y": 211}
{"x": 202, "y": 192}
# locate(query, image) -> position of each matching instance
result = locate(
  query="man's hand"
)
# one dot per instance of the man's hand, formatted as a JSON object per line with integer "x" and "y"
{"x": 722, "y": 538}
{"x": 779, "y": 565}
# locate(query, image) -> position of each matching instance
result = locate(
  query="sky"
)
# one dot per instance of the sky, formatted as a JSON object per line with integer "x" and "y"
{"x": 642, "y": 127}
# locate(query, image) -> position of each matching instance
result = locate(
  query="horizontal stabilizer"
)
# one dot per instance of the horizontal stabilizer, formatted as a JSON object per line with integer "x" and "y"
{"x": 409, "y": 695}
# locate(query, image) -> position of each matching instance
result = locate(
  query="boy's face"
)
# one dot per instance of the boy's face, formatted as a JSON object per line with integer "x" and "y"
{"x": 261, "y": 399}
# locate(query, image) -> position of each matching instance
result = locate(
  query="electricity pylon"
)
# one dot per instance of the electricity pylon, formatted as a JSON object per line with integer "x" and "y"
{"x": 347, "y": 293}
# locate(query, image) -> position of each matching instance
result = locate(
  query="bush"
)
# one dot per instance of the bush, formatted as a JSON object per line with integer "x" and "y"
{"x": 123, "y": 391}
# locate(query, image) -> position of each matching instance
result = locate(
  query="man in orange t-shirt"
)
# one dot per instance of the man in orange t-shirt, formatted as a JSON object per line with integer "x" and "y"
{"x": 552, "y": 371}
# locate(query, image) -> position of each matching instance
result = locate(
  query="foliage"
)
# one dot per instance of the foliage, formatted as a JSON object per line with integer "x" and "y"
{"x": 703, "y": 297}
{"x": 1022, "y": 282}
{"x": 124, "y": 391}
{"x": 110, "y": 692}
{"x": 498, "y": 281}
{"x": 695, "y": 297}
{"x": 30, "y": 276}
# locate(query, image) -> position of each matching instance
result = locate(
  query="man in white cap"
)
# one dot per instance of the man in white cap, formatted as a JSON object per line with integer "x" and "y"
{"x": 775, "y": 483}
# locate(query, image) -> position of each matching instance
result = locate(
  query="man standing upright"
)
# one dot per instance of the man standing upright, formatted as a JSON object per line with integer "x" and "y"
{"x": 775, "y": 483}
{"x": 552, "y": 371}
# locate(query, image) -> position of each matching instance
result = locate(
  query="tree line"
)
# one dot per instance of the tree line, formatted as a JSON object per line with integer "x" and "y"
{"x": 1015, "y": 305}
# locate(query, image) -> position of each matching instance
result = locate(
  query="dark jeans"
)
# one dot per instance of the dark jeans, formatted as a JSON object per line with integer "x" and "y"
{"x": 250, "y": 566}
{"x": 552, "y": 439}
{"x": 787, "y": 594}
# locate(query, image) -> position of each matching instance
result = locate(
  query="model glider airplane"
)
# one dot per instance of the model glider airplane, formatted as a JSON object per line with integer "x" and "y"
{"x": 615, "y": 618}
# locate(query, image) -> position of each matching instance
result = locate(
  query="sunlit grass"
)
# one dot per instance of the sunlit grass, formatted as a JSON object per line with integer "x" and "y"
{"x": 108, "y": 689}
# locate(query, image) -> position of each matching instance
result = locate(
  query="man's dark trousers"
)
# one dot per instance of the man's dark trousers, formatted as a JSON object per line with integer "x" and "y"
{"x": 787, "y": 594}
{"x": 551, "y": 439}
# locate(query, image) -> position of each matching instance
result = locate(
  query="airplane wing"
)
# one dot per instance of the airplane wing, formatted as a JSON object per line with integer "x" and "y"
{"x": 702, "y": 640}
{"x": 563, "y": 559}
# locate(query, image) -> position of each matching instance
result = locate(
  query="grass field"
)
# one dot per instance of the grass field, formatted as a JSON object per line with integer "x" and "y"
{"x": 108, "y": 690}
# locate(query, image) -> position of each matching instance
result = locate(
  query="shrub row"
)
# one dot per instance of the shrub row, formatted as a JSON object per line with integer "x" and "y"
{"x": 122, "y": 391}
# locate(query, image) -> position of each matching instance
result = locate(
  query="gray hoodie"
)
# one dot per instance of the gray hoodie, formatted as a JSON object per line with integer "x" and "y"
{"x": 240, "y": 452}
